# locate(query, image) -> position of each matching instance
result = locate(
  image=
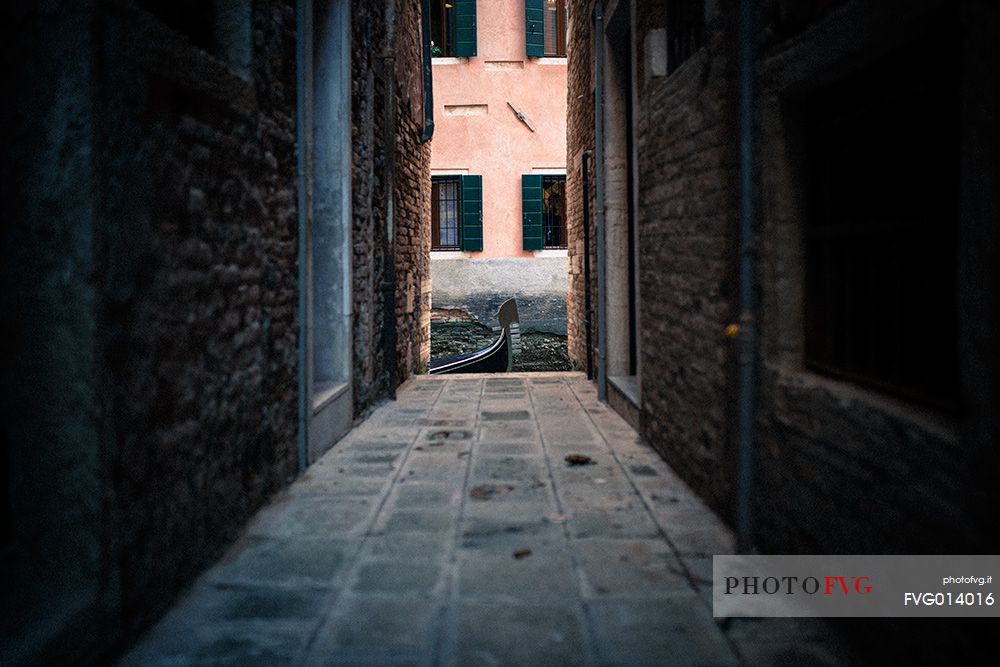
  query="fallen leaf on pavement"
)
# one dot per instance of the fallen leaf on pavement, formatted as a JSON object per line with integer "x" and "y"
{"x": 487, "y": 491}
{"x": 579, "y": 460}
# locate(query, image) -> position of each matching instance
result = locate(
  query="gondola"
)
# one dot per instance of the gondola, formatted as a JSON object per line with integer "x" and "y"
{"x": 497, "y": 357}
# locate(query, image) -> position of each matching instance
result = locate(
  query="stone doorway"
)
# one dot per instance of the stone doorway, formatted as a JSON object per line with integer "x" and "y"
{"x": 325, "y": 226}
{"x": 620, "y": 205}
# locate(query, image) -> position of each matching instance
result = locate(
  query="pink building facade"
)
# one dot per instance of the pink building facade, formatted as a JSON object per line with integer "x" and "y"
{"x": 498, "y": 158}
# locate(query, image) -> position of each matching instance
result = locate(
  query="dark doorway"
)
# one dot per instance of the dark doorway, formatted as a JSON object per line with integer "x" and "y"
{"x": 621, "y": 237}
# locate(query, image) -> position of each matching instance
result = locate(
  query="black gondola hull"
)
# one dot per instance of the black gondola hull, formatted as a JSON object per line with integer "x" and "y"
{"x": 495, "y": 358}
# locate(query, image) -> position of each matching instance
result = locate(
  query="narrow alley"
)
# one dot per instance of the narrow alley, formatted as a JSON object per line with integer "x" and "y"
{"x": 728, "y": 272}
{"x": 450, "y": 528}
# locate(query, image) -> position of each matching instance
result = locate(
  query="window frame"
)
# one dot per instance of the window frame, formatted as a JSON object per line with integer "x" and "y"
{"x": 443, "y": 25}
{"x": 685, "y": 31}
{"x": 436, "y": 182}
{"x": 850, "y": 306}
{"x": 547, "y": 181}
{"x": 561, "y": 17}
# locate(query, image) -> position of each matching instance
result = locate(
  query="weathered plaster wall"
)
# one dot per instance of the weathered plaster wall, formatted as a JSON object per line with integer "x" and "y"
{"x": 477, "y": 133}
{"x": 479, "y": 287}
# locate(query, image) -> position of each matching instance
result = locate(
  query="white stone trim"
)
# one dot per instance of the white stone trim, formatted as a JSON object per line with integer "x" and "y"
{"x": 449, "y": 254}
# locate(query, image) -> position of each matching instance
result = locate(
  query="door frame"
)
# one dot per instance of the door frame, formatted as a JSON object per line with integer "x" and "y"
{"x": 325, "y": 221}
{"x": 620, "y": 202}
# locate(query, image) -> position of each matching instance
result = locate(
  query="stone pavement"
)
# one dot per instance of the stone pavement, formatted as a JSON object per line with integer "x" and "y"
{"x": 449, "y": 529}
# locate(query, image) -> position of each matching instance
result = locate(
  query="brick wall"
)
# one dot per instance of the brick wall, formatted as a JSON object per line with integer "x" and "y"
{"x": 580, "y": 138}
{"x": 840, "y": 468}
{"x": 149, "y": 355}
{"x": 685, "y": 127}
{"x": 375, "y": 174}
{"x": 412, "y": 199}
{"x": 368, "y": 143}
{"x": 686, "y": 138}
{"x": 844, "y": 467}
{"x": 201, "y": 293}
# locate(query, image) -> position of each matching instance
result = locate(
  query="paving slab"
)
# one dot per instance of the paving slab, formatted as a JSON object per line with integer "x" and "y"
{"x": 518, "y": 635}
{"x": 620, "y": 522}
{"x": 313, "y": 516}
{"x": 631, "y": 568}
{"x": 301, "y": 562}
{"x": 506, "y": 539}
{"x": 405, "y": 546}
{"x": 337, "y": 485}
{"x": 522, "y": 469}
{"x": 666, "y": 631}
{"x": 415, "y": 521}
{"x": 448, "y": 528}
{"x": 402, "y": 576}
{"x": 501, "y": 448}
{"x": 373, "y": 631}
{"x": 508, "y": 431}
{"x": 425, "y": 494}
{"x": 511, "y": 577}
{"x": 222, "y": 645}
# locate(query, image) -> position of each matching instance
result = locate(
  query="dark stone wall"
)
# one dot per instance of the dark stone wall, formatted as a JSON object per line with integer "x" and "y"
{"x": 369, "y": 184}
{"x": 845, "y": 468}
{"x": 840, "y": 467}
{"x": 412, "y": 199}
{"x": 387, "y": 104}
{"x": 54, "y": 540}
{"x": 687, "y": 181}
{"x": 686, "y": 156}
{"x": 201, "y": 324}
{"x": 162, "y": 413}
{"x": 579, "y": 139}
{"x": 150, "y": 292}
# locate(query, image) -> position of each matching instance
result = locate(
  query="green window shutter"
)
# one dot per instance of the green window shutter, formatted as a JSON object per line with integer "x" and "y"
{"x": 472, "y": 213}
{"x": 534, "y": 28}
{"x": 465, "y": 28}
{"x": 531, "y": 212}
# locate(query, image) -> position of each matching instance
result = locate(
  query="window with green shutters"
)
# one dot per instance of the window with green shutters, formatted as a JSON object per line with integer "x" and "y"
{"x": 534, "y": 28}
{"x": 531, "y": 212}
{"x": 465, "y": 28}
{"x": 442, "y": 27}
{"x": 545, "y": 28}
{"x": 446, "y": 213}
{"x": 472, "y": 213}
{"x": 453, "y": 28}
{"x": 543, "y": 211}
{"x": 554, "y": 211}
